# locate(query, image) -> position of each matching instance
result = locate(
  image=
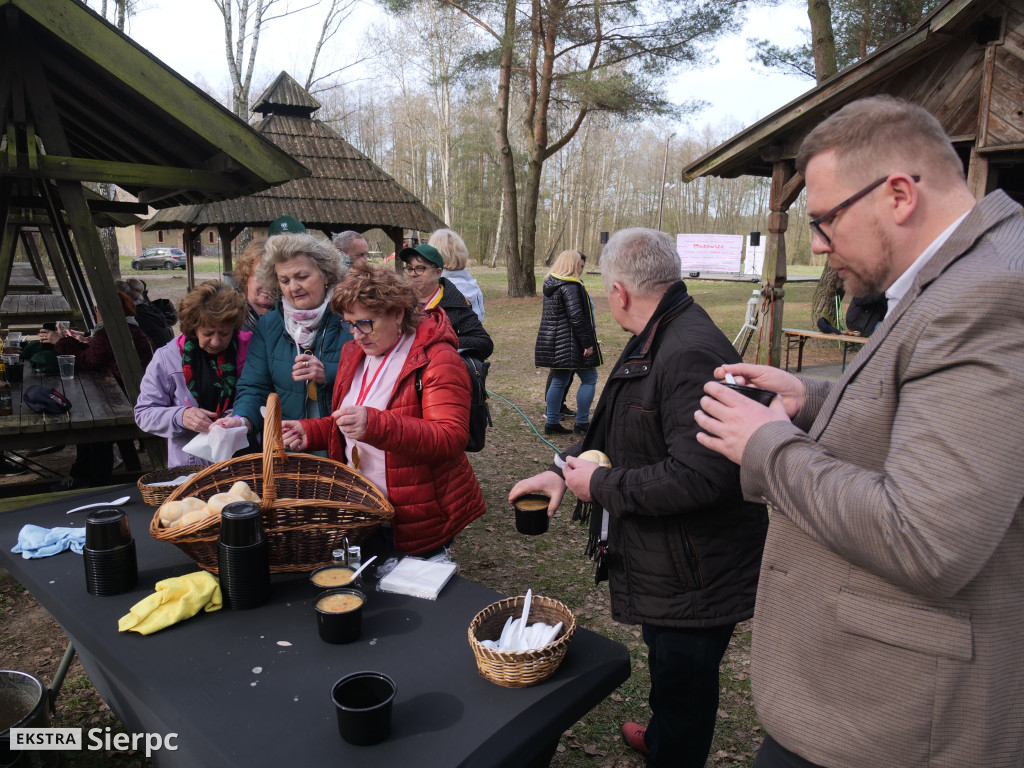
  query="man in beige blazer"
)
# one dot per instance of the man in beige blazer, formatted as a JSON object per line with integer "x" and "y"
{"x": 889, "y": 616}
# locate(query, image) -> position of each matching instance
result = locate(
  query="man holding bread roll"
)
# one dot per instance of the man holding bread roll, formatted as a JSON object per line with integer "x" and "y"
{"x": 669, "y": 529}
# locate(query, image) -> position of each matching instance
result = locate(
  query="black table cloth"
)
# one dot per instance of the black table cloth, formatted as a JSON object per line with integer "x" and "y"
{"x": 253, "y": 687}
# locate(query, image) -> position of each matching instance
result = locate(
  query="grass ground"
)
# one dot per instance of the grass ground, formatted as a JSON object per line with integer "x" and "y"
{"x": 490, "y": 551}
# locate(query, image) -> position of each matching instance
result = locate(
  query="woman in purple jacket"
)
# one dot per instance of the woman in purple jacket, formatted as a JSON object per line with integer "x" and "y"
{"x": 192, "y": 379}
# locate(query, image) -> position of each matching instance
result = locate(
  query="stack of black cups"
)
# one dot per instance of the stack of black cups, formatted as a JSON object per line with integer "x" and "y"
{"x": 243, "y": 559}
{"x": 109, "y": 554}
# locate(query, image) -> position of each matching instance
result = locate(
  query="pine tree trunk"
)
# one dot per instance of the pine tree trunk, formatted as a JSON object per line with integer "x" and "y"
{"x": 823, "y": 39}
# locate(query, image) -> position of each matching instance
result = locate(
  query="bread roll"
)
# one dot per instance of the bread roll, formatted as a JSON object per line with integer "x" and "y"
{"x": 241, "y": 488}
{"x": 171, "y": 511}
{"x": 194, "y": 516}
{"x": 218, "y": 501}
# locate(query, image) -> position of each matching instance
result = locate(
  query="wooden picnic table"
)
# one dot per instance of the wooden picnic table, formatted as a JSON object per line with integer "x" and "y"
{"x": 796, "y": 337}
{"x": 22, "y": 310}
{"x": 100, "y": 412}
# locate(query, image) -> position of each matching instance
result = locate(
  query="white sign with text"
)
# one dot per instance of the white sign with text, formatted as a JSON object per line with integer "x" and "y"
{"x": 712, "y": 253}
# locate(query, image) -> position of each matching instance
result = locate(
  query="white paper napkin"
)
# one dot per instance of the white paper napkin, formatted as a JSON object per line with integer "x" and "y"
{"x": 218, "y": 444}
{"x": 418, "y": 578}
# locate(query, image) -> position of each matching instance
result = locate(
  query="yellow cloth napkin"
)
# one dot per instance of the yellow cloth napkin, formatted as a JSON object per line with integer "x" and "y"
{"x": 175, "y": 600}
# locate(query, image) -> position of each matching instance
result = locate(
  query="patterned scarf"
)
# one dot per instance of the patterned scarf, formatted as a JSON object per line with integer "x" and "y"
{"x": 220, "y": 387}
{"x": 302, "y": 324}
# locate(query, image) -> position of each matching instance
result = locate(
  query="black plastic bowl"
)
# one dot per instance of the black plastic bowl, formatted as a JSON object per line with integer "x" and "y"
{"x": 531, "y": 522}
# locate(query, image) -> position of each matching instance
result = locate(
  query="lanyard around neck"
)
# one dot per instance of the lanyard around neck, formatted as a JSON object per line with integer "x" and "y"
{"x": 365, "y": 389}
{"x": 434, "y": 300}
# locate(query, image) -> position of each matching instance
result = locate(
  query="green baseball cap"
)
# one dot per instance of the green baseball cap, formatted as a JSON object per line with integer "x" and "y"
{"x": 285, "y": 225}
{"x": 428, "y": 252}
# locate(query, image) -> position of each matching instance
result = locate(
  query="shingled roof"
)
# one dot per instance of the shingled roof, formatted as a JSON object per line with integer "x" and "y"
{"x": 346, "y": 189}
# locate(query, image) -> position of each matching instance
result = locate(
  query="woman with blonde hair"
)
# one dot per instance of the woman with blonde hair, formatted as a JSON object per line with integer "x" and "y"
{"x": 258, "y": 299}
{"x": 456, "y": 256}
{"x": 567, "y": 342}
{"x": 400, "y": 410}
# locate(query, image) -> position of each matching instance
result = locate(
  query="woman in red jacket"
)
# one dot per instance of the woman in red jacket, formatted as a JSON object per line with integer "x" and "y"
{"x": 409, "y": 443}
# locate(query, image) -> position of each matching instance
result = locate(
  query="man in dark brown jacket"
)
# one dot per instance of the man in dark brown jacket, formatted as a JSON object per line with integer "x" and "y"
{"x": 680, "y": 547}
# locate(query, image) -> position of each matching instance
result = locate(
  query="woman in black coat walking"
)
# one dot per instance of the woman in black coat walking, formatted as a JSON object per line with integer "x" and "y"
{"x": 567, "y": 341}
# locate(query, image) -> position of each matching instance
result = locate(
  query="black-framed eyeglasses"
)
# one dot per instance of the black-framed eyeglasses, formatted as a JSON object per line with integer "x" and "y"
{"x": 365, "y": 327}
{"x": 831, "y": 213}
{"x": 417, "y": 270}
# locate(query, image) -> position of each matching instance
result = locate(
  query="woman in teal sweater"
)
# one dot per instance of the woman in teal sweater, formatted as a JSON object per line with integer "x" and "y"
{"x": 296, "y": 346}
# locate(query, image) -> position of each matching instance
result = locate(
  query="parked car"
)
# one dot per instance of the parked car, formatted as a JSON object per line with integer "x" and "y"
{"x": 160, "y": 258}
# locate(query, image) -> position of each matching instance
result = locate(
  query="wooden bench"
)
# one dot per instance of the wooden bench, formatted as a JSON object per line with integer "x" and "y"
{"x": 795, "y": 337}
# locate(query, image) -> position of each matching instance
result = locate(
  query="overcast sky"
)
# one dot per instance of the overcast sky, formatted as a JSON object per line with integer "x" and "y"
{"x": 188, "y": 36}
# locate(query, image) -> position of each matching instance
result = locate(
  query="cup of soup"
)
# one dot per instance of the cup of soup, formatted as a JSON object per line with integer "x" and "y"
{"x": 333, "y": 576}
{"x": 532, "y": 514}
{"x": 339, "y": 614}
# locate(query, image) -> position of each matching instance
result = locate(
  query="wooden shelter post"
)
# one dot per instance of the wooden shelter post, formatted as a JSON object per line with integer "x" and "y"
{"x": 77, "y": 299}
{"x": 785, "y": 188}
{"x": 397, "y": 239}
{"x": 28, "y": 242}
{"x": 102, "y": 282}
{"x": 190, "y": 262}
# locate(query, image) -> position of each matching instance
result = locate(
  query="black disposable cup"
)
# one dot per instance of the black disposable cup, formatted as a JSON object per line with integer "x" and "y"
{"x": 241, "y": 524}
{"x": 107, "y": 529}
{"x": 531, "y": 522}
{"x": 362, "y": 703}
{"x": 339, "y": 627}
{"x": 763, "y": 396}
{"x": 111, "y": 571}
{"x": 244, "y": 574}
{"x": 15, "y": 372}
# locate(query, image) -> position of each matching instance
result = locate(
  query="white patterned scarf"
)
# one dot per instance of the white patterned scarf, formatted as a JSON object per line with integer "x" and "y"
{"x": 302, "y": 324}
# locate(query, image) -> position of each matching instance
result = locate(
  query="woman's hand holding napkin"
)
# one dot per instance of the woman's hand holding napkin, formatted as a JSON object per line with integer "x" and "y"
{"x": 176, "y": 599}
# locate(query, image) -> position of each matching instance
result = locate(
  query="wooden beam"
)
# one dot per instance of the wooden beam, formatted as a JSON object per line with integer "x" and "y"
{"x": 28, "y": 243}
{"x": 60, "y": 271}
{"x": 96, "y": 205}
{"x": 102, "y": 281}
{"x": 64, "y": 168}
{"x": 8, "y": 232}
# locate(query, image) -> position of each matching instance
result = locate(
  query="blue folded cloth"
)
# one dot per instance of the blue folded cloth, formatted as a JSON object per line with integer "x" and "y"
{"x": 35, "y": 541}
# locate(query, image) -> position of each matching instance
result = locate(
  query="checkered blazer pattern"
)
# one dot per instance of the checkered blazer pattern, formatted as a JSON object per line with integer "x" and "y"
{"x": 888, "y": 627}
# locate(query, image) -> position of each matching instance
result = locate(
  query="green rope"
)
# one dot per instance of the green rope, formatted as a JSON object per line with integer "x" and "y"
{"x": 527, "y": 420}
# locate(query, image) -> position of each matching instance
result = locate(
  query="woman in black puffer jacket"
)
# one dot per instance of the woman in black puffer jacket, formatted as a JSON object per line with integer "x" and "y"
{"x": 567, "y": 341}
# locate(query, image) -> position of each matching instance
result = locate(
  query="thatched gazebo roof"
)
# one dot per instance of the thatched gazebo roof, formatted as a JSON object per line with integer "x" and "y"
{"x": 347, "y": 190}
